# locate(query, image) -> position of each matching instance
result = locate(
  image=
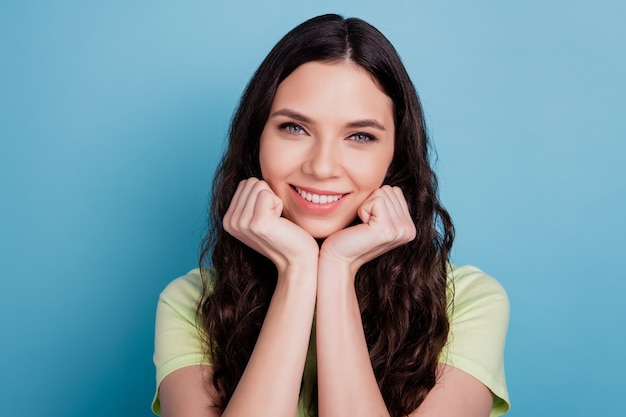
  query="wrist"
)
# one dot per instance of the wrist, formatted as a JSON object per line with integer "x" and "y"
{"x": 333, "y": 263}
{"x": 335, "y": 277}
{"x": 302, "y": 271}
{"x": 299, "y": 260}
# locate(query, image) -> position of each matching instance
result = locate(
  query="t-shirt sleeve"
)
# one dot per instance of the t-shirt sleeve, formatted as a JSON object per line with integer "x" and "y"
{"x": 177, "y": 341}
{"x": 478, "y": 327}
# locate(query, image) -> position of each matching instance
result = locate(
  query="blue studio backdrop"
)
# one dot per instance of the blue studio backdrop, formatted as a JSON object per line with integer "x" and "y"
{"x": 113, "y": 116}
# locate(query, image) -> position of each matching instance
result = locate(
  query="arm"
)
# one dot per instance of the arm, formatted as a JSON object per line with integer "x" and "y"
{"x": 271, "y": 381}
{"x": 456, "y": 393}
{"x": 346, "y": 382}
{"x": 347, "y": 385}
{"x": 184, "y": 392}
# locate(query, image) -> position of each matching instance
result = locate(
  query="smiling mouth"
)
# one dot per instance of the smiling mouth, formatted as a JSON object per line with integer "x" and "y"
{"x": 318, "y": 198}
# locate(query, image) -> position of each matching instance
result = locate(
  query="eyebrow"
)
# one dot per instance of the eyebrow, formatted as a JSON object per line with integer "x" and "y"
{"x": 302, "y": 118}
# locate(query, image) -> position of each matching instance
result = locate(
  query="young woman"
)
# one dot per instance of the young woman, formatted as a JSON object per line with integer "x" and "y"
{"x": 330, "y": 291}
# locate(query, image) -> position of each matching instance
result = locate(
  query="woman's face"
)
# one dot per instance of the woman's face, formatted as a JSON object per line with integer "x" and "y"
{"x": 327, "y": 144}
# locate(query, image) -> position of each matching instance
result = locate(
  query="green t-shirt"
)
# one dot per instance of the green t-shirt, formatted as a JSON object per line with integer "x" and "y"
{"x": 478, "y": 326}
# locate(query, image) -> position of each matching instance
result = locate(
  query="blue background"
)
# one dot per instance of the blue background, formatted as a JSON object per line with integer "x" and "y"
{"x": 113, "y": 115}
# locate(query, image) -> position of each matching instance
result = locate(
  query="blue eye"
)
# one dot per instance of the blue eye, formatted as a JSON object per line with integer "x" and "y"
{"x": 363, "y": 138}
{"x": 292, "y": 128}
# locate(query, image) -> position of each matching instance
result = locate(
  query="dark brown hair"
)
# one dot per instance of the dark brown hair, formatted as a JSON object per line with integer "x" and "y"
{"x": 402, "y": 293}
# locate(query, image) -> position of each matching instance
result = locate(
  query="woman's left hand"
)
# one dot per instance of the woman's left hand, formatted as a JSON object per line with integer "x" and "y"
{"x": 386, "y": 225}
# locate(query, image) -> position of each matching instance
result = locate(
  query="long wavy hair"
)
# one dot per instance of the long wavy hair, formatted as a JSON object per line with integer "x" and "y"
{"x": 402, "y": 294}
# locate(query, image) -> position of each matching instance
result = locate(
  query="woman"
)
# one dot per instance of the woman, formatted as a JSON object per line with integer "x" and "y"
{"x": 331, "y": 293}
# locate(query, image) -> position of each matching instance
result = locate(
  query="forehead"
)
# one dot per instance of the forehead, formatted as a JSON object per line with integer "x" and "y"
{"x": 333, "y": 90}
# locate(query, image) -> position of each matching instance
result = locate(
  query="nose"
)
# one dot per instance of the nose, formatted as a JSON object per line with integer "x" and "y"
{"x": 323, "y": 160}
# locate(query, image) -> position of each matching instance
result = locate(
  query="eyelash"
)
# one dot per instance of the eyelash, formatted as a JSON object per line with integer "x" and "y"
{"x": 289, "y": 128}
{"x": 358, "y": 137}
{"x": 363, "y": 138}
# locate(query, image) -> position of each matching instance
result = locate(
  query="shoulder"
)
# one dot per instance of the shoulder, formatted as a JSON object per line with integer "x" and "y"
{"x": 479, "y": 311}
{"x": 185, "y": 290}
{"x": 178, "y": 305}
{"x": 471, "y": 288}
{"x": 479, "y": 318}
{"x": 178, "y": 339}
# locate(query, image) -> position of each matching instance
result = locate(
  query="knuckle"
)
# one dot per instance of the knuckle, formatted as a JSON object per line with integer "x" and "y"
{"x": 260, "y": 185}
{"x": 226, "y": 225}
{"x": 227, "y": 221}
{"x": 378, "y": 198}
{"x": 234, "y": 226}
{"x": 243, "y": 183}
{"x": 231, "y": 228}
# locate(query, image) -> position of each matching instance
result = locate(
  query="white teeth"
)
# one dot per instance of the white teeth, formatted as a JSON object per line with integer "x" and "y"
{"x": 317, "y": 198}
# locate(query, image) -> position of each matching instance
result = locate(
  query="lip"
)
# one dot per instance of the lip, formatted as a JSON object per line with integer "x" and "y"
{"x": 317, "y": 208}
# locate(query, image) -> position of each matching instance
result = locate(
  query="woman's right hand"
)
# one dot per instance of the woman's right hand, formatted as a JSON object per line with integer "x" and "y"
{"x": 254, "y": 218}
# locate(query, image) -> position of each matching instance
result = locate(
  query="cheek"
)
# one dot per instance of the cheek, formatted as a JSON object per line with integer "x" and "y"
{"x": 266, "y": 158}
{"x": 263, "y": 163}
{"x": 280, "y": 157}
{"x": 274, "y": 160}
{"x": 371, "y": 173}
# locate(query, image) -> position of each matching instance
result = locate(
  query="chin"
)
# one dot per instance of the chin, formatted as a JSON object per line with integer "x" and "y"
{"x": 323, "y": 231}
{"x": 321, "y": 234}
